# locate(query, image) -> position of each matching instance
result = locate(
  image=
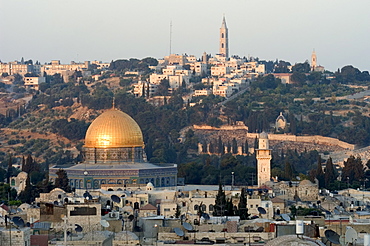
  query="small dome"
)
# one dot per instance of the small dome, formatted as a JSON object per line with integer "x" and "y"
{"x": 149, "y": 184}
{"x": 114, "y": 129}
{"x": 306, "y": 182}
{"x": 263, "y": 135}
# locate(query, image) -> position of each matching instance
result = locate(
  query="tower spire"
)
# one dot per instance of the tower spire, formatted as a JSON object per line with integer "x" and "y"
{"x": 224, "y": 39}
{"x": 114, "y": 102}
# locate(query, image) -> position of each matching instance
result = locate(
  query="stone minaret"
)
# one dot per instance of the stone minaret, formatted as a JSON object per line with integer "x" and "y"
{"x": 224, "y": 39}
{"x": 313, "y": 61}
{"x": 263, "y": 159}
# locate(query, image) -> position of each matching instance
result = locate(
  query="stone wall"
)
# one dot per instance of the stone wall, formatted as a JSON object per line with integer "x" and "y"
{"x": 307, "y": 139}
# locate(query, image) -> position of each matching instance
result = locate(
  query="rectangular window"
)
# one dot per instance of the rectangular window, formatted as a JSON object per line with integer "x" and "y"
{"x": 167, "y": 209}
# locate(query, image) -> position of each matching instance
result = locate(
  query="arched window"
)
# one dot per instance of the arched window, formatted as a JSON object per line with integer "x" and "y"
{"x": 196, "y": 207}
{"x": 222, "y": 35}
{"x": 204, "y": 208}
{"x": 210, "y": 208}
{"x": 222, "y": 45}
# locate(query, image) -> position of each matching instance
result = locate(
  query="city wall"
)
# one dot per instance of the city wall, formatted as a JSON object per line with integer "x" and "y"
{"x": 316, "y": 139}
{"x": 224, "y": 127}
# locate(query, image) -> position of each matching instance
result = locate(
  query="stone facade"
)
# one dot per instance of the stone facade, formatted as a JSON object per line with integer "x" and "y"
{"x": 305, "y": 189}
{"x": 15, "y": 237}
{"x": 263, "y": 160}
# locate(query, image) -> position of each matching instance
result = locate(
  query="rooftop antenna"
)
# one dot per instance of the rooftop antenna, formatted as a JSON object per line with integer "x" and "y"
{"x": 170, "y": 37}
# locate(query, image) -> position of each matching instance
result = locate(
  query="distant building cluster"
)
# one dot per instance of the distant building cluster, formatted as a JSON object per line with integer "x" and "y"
{"x": 221, "y": 75}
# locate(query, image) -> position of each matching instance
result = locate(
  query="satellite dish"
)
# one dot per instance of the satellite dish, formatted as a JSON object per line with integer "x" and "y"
{"x": 87, "y": 196}
{"x": 187, "y": 226}
{"x": 332, "y": 236}
{"x": 78, "y": 228}
{"x": 261, "y": 210}
{"x": 350, "y": 236}
{"x": 131, "y": 217}
{"x": 104, "y": 223}
{"x": 179, "y": 232}
{"x": 19, "y": 210}
{"x": 115, "y": 198}
{"x": 18, "y": 221}
{"x": 285, "y": 217}
{"x": 55, "y": 202}
{"x": 206, "y": 216}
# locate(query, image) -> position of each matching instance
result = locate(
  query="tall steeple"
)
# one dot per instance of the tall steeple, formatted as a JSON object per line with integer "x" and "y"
{"x": 224, "y": 39}
{"x": 313, "y": 61}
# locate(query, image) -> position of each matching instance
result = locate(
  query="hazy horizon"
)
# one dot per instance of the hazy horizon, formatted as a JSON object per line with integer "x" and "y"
{"x": 289, "y": 30}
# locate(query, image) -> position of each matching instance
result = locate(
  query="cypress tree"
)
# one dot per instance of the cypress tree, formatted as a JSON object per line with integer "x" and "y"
{"x": 234, "y": 146}
{"x": 242, "y": 206}
{"x": 9, "y": 171}
{"x": 220, "y": 146}
{"x": 319, "y": 173}
{"x": 220, "y": 202}
{"x": 62, "y": 181}
{"x": 256, "y": 143}
{"x": 288, "y": 171}
{"x": 143, "y": 90}
{"x": 330, "y": 174}
{"x": 246, "y": 147}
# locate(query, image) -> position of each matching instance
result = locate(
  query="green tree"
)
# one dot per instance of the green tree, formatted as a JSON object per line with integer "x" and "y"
{"x": 298, "y": 78}
{"x": 178, "y": 211}
{"x": 330, "y": 173}
{"x": 28, "y": 194}
{"x": 301, "y": 67}
{"x": 62, "y": 180}
{"x": 242, "y": 206}
{"x": 288, "y": 171}
{"x": 234, "y": 146}
{"x": 162, "y": 89}
{"x": 10, "y": 169}
{"x": 319, "y": 173}
{"x": 353, "y": 170}
{"x": 220, "y": 202}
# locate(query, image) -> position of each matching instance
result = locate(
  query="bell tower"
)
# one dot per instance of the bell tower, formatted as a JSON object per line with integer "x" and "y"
{"x": 263, "y": 159}
{"x": 313, "y": 61}
{"x": 224, "y": 39}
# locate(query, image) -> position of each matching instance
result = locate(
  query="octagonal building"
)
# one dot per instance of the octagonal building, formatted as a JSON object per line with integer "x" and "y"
{"x": 114, "y": 157}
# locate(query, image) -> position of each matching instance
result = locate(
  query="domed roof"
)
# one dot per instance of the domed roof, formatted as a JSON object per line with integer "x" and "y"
{"x": 263, "y": 135}
{"x": 114, "y": 129}
{"x": 306, "y": 182}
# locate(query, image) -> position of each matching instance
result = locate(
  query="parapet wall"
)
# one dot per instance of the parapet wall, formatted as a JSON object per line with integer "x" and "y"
{"x": 316, "y": 139}
{"x": 224, "y": 127}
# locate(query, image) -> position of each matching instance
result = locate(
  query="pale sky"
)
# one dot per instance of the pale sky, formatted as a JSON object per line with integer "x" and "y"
{"x": 79, "y": 30}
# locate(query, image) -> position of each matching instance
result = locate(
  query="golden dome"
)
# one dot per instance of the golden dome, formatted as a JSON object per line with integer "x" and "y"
{"x": 114, "y": 129}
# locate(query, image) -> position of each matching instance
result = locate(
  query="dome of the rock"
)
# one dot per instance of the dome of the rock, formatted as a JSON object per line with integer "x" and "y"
{"x": 114, "y": 129}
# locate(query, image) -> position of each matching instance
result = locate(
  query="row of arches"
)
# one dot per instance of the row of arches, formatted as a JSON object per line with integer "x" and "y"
{"x": 203, "y": 207}
{"x": 96, "y": 183}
